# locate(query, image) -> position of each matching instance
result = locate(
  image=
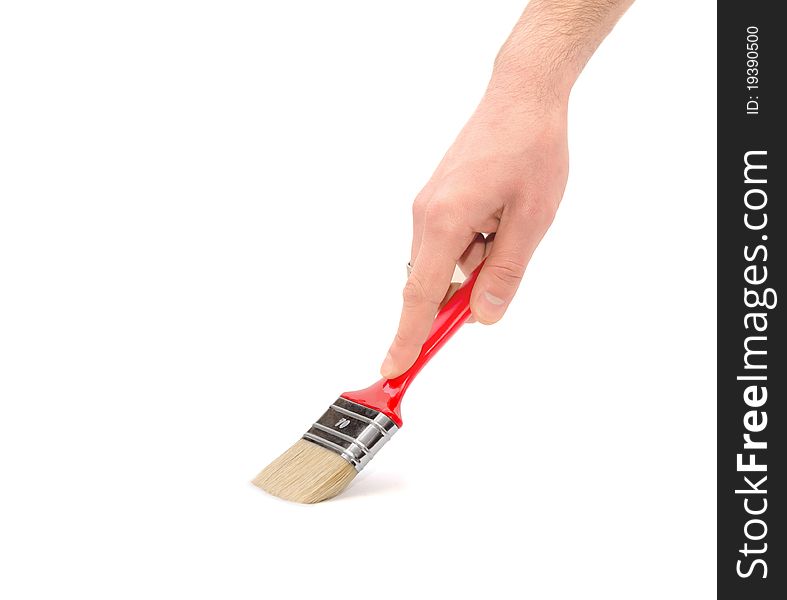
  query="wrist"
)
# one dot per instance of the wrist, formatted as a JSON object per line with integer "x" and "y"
{"x": 530, "y": 85}
{"x": 525, "y": 91}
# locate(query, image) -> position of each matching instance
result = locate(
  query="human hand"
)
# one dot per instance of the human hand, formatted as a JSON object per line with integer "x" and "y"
{"x": 493, "y": 195}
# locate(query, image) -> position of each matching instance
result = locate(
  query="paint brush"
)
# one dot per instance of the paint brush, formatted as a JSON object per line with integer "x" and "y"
{"x": 358, "y": 424}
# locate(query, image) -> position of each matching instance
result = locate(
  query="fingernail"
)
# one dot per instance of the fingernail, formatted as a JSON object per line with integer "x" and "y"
{"x": 386, "y": 368}
{"x": 494, "y": 300}
{"x": 491, "y": 308}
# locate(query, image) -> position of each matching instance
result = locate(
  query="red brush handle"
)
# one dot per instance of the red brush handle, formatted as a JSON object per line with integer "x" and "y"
{"x": 386, "y": 395}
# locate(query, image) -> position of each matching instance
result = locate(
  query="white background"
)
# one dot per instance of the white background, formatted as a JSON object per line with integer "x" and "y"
{"x": 204, "y": 220}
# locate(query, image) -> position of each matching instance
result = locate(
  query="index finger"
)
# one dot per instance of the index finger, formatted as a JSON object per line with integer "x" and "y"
{"x": 425, "y": 288}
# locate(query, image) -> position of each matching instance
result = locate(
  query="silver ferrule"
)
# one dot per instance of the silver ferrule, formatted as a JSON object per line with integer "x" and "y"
{"x": 353, "y": 431}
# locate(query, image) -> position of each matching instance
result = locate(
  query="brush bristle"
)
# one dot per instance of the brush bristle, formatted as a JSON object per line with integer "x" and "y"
{"x": 306, "y": 473}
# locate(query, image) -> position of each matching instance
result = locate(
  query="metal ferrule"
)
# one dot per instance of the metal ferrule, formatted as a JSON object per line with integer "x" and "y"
{"x": 353, "y": 431}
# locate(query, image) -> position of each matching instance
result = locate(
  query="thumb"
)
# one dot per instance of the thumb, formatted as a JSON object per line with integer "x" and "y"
{"x": 503, "y": 270}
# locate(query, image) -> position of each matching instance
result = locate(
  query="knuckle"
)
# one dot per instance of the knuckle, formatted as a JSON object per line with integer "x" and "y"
{"x": 414, "y": 293}
{"x": 508, "y": 270}
{"x": 540, "y": 212}
{"x": 419, "y": 206}
{"x": 420, "y": 203}
{"x": 436, "y": 209}
{"x": 440, "y": 217}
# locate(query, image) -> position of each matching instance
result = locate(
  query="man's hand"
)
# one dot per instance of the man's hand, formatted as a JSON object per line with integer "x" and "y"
{"x": 504, "y": 176}
{"x": 496, "y": 191}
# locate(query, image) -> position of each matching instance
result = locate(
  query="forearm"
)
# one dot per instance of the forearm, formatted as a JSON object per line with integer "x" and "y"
{"x": 550, "y": 45}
